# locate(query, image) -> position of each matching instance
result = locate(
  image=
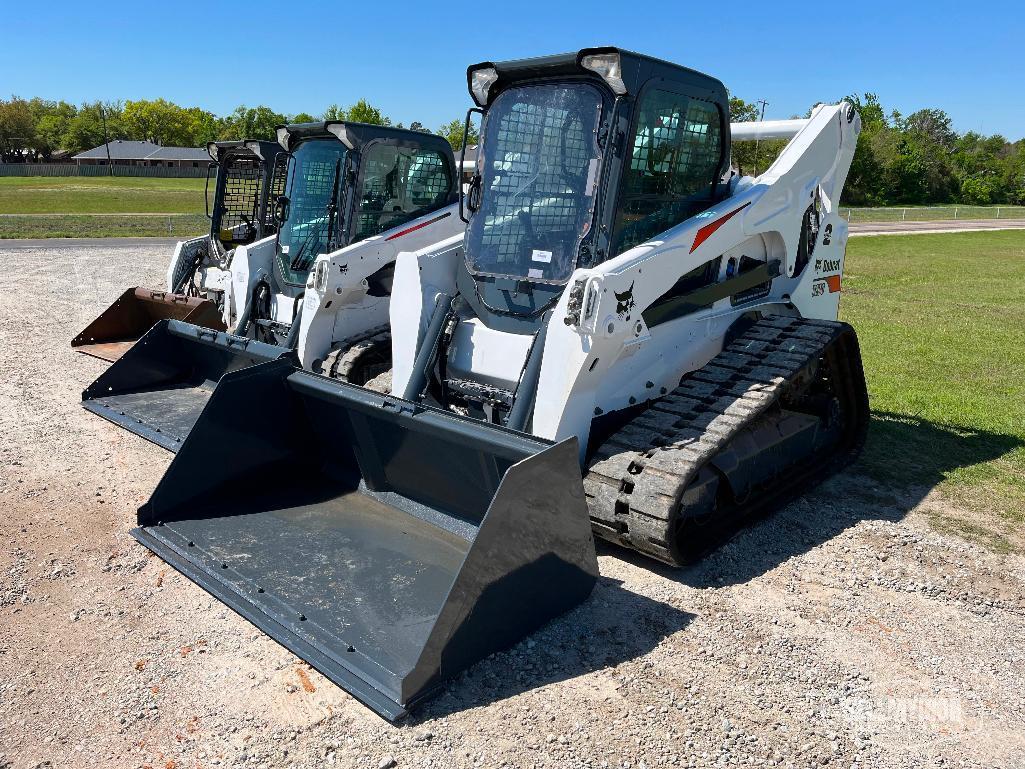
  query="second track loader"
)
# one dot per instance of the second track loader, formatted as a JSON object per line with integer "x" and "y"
{"x": 244, "y": 191}
{"x": 629, "y": 341}
{"x": 352, "y": 196}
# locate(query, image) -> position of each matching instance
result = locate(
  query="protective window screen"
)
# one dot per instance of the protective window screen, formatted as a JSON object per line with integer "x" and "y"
{"x": 278, "y": 178}
{"x": 539, "y": 166}
{"x": 674, "y": 160}
{"x": 399, "y": 184}
{"x": 243, "y": 178}
{"x": 315, "y": 166}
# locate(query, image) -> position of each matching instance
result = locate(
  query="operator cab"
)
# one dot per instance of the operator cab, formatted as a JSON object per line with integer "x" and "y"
{"x": 247, "y": 175}
{"x": 582, "y": 156}
{"x": 344, "y": 182}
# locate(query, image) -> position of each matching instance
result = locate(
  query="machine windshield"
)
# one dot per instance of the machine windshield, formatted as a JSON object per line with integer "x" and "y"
{"x": 539, "y": 163}
{"x": 315, "y": 166}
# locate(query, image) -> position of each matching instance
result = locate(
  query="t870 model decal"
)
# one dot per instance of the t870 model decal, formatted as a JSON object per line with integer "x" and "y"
{"x": 827, "y": 265}
{"x": 830, "y": 283}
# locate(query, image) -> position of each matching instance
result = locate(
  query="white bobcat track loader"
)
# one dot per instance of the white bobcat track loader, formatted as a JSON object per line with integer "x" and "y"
{"x": 627, "y": 341}
{"x": 350, "y": 196}
{"x": 248, "y": 175}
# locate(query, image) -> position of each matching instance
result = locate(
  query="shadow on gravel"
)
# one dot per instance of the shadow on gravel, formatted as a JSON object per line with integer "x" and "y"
{"x": 903, "y": 459}
{"x": 613, "y": 626}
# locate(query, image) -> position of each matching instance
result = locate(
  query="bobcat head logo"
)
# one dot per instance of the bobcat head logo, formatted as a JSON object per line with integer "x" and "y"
{"x": 625, "y": 302}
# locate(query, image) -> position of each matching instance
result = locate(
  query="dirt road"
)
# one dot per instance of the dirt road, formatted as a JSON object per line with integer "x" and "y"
{"x": 841, "y": 632}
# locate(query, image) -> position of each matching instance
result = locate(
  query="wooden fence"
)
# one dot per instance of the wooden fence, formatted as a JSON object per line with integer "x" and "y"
{"x": 71, "y": 169}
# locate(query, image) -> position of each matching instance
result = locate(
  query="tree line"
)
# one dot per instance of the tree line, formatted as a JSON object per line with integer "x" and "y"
{"x": 918, "y": 159}
{"x": 36, "y": 129}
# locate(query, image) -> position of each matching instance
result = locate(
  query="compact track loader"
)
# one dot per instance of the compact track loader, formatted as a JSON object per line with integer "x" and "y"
{"x": 244, "y": 192}
{"x": 628, "y": 340}
{"x": 351, "y": 196}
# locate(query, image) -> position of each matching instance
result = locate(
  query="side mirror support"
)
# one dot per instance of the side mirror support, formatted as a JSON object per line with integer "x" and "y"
{"x": 281, "y": 209}
{"x": 472, "y": 204}
{"x": 206, "y": 190}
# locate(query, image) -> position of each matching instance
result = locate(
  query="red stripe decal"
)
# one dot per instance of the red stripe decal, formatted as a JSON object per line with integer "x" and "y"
{"x": 706, "y": 232}
{"x": 417, "y": 227}
{"x": 833, "y": 281}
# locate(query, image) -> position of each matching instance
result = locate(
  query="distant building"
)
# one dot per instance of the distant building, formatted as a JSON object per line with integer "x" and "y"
{"x": 124, "y": 152}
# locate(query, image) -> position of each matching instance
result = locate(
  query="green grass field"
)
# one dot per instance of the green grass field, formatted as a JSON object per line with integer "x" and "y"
{"x": 941, "y": 321}
{"x": 99, "y": 195}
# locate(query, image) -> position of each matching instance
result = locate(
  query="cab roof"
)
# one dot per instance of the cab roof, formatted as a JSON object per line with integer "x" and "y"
{"x": 636, "y": 70}
{"x": 356, "y": 135}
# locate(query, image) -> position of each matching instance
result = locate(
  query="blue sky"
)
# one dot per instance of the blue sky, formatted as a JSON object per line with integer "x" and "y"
{"x": 410, "y": 59}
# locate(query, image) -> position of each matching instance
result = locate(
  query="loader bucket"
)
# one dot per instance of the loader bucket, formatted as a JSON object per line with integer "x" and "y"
{"x": 158, "y": 388}
{"x": 133, "y": 314}
{"x": 389, "y": 545}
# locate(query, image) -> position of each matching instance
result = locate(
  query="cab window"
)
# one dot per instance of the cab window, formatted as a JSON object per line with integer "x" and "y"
{"x": 399, "y": 184}
{"x": 674, "y": 157}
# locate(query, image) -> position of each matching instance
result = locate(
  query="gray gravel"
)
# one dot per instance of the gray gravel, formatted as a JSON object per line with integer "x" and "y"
{"x": 841, "y": 632}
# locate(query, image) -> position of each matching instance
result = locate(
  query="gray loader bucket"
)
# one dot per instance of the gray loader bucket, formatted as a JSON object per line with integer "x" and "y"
{"x": 388, "y": 545}
{"x": 133, "y": 313}
{"x": 159, "y": 387}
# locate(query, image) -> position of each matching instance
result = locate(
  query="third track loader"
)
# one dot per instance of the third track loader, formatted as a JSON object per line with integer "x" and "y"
{"x": 243, "y": 189}
{"x": 624, "y": 318}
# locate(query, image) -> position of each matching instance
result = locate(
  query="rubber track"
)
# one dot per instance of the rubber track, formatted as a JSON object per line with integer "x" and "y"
{"x": 636, "y": 480}
{"x": 342, "y": 361}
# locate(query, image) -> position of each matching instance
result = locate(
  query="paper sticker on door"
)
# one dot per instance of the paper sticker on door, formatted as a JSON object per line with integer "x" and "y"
{"x": 541, "y": 256}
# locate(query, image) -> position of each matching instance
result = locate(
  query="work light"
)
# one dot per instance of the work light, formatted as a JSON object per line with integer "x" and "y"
{"x": 282, "y": 134}
{"x": 481, "y": 81}
{"x": 342, "y": 132}
{"x": 608, "y": 66}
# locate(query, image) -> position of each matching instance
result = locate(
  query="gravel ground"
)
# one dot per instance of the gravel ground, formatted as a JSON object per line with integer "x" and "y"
{"x": 841, "y": 632}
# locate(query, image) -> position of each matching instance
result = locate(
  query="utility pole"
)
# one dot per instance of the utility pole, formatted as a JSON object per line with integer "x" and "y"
{"x": 106, "y": 141}
{"x": 758, "y": 141}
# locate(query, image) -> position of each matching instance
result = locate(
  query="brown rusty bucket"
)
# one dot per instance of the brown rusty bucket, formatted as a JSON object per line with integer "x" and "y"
{"x": 134, "y": 313}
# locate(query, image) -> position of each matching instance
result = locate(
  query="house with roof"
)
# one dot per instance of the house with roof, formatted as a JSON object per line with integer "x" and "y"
{"x": 126, "y": 152}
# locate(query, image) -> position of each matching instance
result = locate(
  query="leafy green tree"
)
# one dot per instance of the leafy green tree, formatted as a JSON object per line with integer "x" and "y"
{"x": 453, "y": 131}
{"x": 252, "y": 123}
{"x": 364, "y": 112}
{"x": 752, "y": 157}
{"x": 360, "y": 112}
{"x": 864, "y": 180}
{"x": 158, "y": 121}
{"x": 85, "y": 129}
{"x": 203, "y": 127}
{"x": 17, "y": 129}
{"x": 52, "y": 121}
{"x": 303, "y": 117}
{"x": 742, "y": 111}
{"x": 334, "y": 112}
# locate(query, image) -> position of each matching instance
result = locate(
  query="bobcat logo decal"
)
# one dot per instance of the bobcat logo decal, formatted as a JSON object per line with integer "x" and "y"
{"x": 625, "y": 302}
